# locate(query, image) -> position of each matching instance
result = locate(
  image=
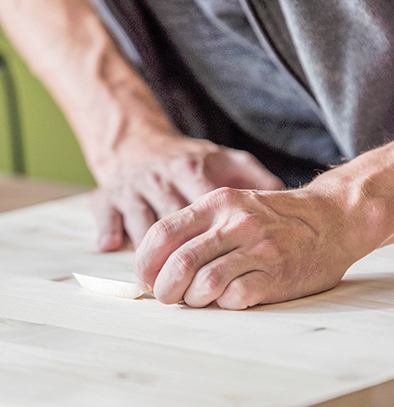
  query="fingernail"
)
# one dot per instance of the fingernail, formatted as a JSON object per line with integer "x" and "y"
{"x": 144, "y": 287}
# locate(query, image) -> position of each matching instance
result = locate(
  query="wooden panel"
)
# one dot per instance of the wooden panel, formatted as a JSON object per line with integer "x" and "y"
{"x": 71, "y": 347}
{"x": 376, "y": 396}
{"x": 19, "y": 192}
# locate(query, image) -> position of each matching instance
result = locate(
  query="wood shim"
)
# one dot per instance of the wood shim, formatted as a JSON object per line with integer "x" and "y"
{"x": 111, "y": 288}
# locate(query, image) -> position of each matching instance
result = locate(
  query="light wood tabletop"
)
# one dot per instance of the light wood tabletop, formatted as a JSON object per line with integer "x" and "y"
{"x": 61, "y": 345}
{"x": 19, "y": 192}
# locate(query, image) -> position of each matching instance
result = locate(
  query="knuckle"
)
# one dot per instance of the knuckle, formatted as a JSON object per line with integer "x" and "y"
{"x": 272, "y": 253}
{"x": 163, "y": 229}
{"x": 245, "y": 217}
{"x": 244, "y": 221}
{"x": 210, "y": 280}
{"x": 193, "y": 164}
{"x": 154, "y": 178}
{"x": 222, "y": 195}
{"x": 218, "y": 236}
{"x": 183, "y": 264}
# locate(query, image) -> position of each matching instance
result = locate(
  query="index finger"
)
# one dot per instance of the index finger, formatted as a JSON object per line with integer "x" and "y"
{"x": 166, "y": 236}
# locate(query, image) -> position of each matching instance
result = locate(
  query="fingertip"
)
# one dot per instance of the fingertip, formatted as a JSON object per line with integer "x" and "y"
{"x": 144, "y": 287}
{"x": 110, "y": 243}
{"x": 233, "y": 298}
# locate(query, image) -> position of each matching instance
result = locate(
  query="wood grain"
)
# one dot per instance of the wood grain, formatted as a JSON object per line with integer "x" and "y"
{"x": 19, "y": 192}
{"x": 63, "y": 346}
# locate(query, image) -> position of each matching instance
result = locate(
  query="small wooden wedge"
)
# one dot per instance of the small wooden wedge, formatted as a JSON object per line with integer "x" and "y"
{"x": 111, "y": 288}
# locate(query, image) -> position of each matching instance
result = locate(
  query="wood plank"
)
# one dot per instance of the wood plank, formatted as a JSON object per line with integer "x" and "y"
{"x": 70, "y": 366}
{"x": 381, "y": 395}
{"x": 19, "y": 192}
{"x": 292, "y": 354}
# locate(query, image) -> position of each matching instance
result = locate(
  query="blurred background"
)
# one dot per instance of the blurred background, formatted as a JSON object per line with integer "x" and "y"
{"x": 39, "y": 156}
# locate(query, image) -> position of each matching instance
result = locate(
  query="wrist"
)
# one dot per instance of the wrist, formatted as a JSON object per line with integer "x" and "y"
{"x": 359, "y": 199}
{"x": 122, "y": 141}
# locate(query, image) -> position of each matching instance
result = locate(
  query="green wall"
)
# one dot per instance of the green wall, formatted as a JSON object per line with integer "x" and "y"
{"x": 35, "y": 138}
{"x": 6, "y": 153}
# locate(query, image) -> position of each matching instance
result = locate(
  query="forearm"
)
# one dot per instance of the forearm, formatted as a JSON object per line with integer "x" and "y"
{"x": 363, "y": 189}
{"x": 111, "y": 109}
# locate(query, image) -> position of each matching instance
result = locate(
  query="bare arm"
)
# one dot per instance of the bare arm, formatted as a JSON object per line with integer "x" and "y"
{"x": 65, "y": 45}
{"x": 145, "y": 169}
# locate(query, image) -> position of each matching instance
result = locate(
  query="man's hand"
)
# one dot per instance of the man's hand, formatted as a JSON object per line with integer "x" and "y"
{"x": 242, "y": 248}
{"x": 181, "y": 171}
{"x": 144, "y": 168}
{"x": 246, "y": 247}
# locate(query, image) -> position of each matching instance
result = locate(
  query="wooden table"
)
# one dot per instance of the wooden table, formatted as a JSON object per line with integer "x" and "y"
{"x": 62, "y": 346}
{"x": 19, "y": 192}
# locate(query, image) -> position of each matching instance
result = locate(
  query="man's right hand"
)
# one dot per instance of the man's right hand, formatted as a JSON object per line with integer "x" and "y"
{"x": 183, "y": 170}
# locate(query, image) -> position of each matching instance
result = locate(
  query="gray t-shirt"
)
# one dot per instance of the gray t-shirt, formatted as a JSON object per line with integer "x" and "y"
{"x": 345, "y": 49}
{"x": 218, "y": 44}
